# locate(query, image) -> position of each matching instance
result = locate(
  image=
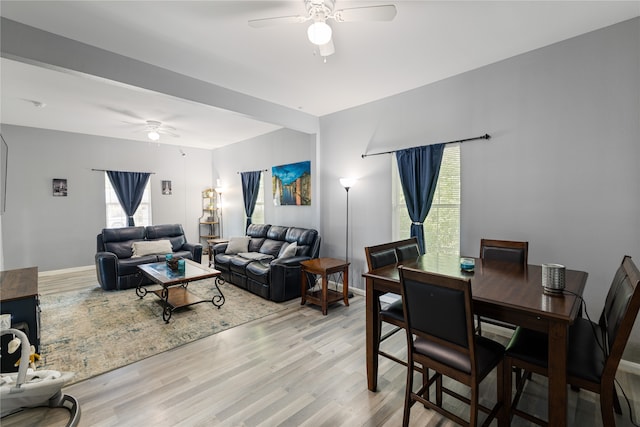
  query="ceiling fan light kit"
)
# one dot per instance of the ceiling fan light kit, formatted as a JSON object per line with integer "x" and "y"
{"x": 153, "y": 135}
{"x": 318, "y": 11}
{"x": 319, "y": 33}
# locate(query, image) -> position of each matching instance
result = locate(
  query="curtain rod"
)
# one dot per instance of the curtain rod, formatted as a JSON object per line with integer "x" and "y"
{"x": 485, "y": 136}
{"x": 104, "y": 170}
{"x": 261, "y": 170}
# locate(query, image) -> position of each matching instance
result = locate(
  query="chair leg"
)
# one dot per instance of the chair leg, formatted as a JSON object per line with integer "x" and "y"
{"x": 408, "y": 401}
{"x": 438, "y": 389}
{"x": 500, "y": 392}
{"x": 473, "y": 403}
{"x": 616, "y": 402}
{"x": 425, "y": 382}
{"x": 606, "y": 407}
{"x": 507, "y": 389}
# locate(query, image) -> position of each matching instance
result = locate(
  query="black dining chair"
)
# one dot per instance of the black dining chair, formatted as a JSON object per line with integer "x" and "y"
{"x": 594, "y": 350}
{"x": 382, "y": 255}
{"x": 439, "y": 314}
{"x": 504, "y": 251}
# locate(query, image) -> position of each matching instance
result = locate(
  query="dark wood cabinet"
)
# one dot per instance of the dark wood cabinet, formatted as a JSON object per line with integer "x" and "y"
{"x": 19, "y": 298}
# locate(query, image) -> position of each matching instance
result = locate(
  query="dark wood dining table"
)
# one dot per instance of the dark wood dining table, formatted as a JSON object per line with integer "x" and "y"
{"x": 501, "y": 291}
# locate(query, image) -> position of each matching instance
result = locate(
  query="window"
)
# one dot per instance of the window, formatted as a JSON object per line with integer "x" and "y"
{"x": 442, "y": 226}
{"x": 115, "y": 214}
{"x": 258, "y": 212}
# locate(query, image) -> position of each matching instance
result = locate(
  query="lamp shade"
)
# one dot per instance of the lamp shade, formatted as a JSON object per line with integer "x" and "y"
{"x": 153, "y": 135}
{"x": 319, "y": 33}
{"x": 347, "y": 182}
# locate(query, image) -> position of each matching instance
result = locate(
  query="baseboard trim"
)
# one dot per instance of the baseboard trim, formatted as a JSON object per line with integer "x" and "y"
{"x": 66, "y": 270}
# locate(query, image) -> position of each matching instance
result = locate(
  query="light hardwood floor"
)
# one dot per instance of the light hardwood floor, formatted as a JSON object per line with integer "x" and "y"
{"x": 293, "y": 368}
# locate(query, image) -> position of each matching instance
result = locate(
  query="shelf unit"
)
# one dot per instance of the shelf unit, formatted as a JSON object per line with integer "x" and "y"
{"x": 211, "y": 220}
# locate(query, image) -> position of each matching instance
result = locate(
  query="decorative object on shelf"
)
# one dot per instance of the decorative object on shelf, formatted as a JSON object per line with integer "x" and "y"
{"x": 59, "y": 187}
{"x": 210, "y": 223}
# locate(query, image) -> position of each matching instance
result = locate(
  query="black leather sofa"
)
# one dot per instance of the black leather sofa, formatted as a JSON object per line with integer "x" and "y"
{"x": 116, "y": 266}
{"x": 275, "y": 277}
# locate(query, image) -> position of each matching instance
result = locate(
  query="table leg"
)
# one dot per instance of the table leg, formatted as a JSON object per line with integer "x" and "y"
{"x": 167, "y": 311}
{"x": 218, "y": 300}
{"x": 345, "y": 286}
{"x": 325, "y": 292}
{"x": 303, "y": 290}
{"x": 558, "y": 374}
{"x": 372, "y": 335}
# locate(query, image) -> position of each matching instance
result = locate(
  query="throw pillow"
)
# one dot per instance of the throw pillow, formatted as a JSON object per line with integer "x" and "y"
{"x": 151, "y": 247}
{"x": 237, "y": 245}
{"x": 289, "y": 251}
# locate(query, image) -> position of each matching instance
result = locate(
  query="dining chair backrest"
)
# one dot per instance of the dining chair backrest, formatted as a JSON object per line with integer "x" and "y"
{"x": 390, "y": 253}
{"x": 383, "y": 258}
{"x": 408, "y": 251}
{"x": 439, "y": 308}
{"x": 620, "y": 311}
{"x": 504, "y": 250}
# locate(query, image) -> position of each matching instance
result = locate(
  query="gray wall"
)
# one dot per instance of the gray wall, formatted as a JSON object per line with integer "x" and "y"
{"x": 560, "y": 171}
{"x": 276, "y": 148}
{"x": 60, "y": 232}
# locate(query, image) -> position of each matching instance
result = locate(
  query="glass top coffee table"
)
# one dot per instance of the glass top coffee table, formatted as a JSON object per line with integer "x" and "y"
{"x": 174, "y": 293}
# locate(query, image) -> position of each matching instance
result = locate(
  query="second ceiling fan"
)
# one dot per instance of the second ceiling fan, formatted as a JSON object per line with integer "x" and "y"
{"x": 319, "y": 11}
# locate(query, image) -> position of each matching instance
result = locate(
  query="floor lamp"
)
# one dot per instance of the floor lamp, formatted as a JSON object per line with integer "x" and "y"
{"x": 347, "y": 183}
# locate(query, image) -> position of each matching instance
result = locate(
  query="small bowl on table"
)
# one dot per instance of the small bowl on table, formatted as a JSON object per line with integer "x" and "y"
{"x": 467, "y": 264}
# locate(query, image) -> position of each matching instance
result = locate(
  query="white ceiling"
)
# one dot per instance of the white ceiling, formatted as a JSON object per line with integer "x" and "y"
{"x": 211, "y": 41}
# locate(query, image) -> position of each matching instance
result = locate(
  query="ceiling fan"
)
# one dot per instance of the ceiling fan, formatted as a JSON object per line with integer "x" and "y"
{"x": 154, "y": 129}
{"x": 319, "y": 11}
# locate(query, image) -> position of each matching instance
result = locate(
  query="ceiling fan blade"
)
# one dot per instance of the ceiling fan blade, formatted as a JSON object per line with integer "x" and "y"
{"x": 166, "y": 132}
{"x": 281, "y": 20}
{"x": 368, "y": 13}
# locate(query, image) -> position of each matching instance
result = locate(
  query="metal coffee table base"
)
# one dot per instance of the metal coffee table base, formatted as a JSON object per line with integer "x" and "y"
{"x": 178, "y": 296}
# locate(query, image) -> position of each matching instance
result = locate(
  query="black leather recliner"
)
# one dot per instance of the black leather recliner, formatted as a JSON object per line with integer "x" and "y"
{"x": 276, "y": 279}
{"x": 117, "y": 269}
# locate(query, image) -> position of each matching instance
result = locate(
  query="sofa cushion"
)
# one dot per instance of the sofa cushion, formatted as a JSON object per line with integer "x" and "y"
{"x": 304, "y": 238}
{"x": 258, "y": 230}
{"x": 259, "y": 271}
{"x": 237, "y": 245}
{"x": 255, "y": 243}
{"x": 151, "y": 247}
{"x": 271, "y": 247}
{"x": 277, "y": 232}
{"x": 172, "y": 232}
{"x": 120, "y": 240}
{"x": 239, "y": 264}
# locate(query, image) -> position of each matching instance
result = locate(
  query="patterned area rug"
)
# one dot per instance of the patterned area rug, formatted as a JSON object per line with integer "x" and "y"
{"x": 93, "y": 331}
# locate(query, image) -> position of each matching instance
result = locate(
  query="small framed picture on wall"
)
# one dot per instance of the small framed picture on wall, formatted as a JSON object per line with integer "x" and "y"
{"x": 166, "y": 188}
{"x": 59, "y": 187}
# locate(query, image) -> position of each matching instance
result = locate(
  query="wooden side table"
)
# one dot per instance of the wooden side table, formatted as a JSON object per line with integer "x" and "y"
{"x": 211, "y": 243}
{"x": 324, "y": 267}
